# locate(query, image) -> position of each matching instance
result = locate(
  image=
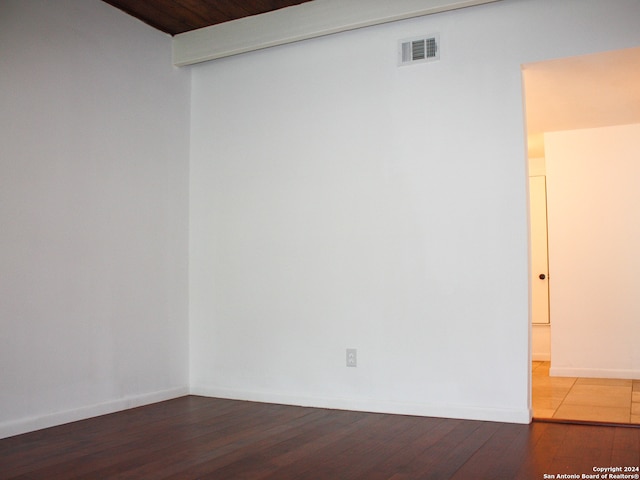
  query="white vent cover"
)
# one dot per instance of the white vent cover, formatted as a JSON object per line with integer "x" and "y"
{"x": 419, "y": 50}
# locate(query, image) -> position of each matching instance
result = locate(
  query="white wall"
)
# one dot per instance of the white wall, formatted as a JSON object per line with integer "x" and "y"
{"x": 338, "y": 201}
{"x": 94, "y": 129}
{"x": 541, "y": 342}
{"x": 593, "y": 251}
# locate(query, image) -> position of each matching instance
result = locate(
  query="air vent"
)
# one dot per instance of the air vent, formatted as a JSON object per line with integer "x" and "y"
{"x": 419, "y": 50}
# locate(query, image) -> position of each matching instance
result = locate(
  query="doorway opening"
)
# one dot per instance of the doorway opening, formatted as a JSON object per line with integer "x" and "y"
{"x": 581, "y": 115}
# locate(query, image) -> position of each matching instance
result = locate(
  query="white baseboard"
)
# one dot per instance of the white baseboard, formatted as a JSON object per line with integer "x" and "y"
{"x": 17, "y": 427}
{"x": 541, "y": 357}
{"x": 593, "y": 373}
{"x": 370, "y": 405}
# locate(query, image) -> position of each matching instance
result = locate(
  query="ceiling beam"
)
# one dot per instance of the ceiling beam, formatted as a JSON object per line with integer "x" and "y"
{"x": 300, "y": 22}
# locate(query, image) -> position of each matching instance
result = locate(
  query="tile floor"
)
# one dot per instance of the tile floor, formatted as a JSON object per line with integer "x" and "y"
{"x": 585, "y": 399}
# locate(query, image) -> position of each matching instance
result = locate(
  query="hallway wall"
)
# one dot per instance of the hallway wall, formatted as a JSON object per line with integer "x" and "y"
{"x": 593, "y": 251}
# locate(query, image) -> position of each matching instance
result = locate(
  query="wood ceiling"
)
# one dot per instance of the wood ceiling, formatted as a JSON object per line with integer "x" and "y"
{"x": 178, "y": 16}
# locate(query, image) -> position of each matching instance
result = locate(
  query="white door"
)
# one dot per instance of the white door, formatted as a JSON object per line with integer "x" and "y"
{"x": 539, "y": 258}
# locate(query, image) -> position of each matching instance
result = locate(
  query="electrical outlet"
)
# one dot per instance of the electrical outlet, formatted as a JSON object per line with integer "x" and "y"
{"x": 352, "y": 357}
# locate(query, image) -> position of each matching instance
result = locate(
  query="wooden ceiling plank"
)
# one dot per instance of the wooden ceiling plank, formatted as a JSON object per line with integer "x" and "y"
{"x": 153, "y": 14}
{"x": 192, "y": 13}
{"x": 179, "y": 16}
{"x": 263, "y": 6}
{"x": 237, "y": 9}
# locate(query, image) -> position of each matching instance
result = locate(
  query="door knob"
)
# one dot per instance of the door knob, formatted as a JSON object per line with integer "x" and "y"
{"x": 542, "y": 276}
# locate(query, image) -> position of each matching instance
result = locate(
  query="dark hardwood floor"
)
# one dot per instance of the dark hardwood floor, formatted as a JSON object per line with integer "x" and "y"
{"x": 207, "y": 438}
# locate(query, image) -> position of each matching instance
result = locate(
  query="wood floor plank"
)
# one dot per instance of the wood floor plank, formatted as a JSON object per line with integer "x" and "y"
{"x": 454, "y": 451}
{"x": 45, "y": 445}
{"x": 405, "y": 448}
{"x": 208, "y": 457}
{"x": 361, "y": 451}
{"x": 270, "y": 456}
{"x": 625, "y": 447}
{"x": 500, "y": 456}
{"x": 180, "y": 453}
{"x": 124, "y": 438}
{"x": 304, "y": 463}
{"x": 207, "y": 438}
{"x": 545, "y": 441}
{"x": 579, "y": 452}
